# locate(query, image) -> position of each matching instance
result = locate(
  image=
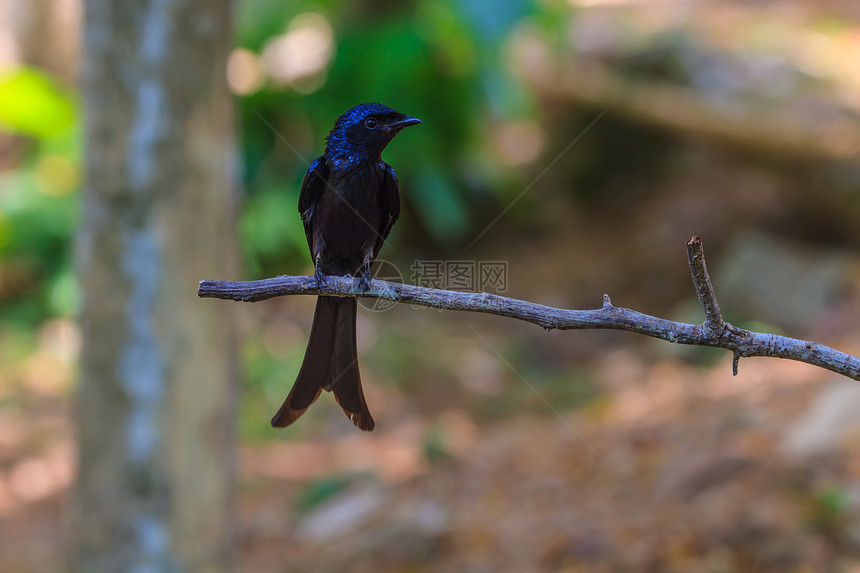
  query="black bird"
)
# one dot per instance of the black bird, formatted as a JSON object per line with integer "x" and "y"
{"x": 349, "y": 201}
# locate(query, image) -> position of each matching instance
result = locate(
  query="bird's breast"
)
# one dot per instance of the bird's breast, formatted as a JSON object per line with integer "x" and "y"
{"x": 348, "y": 216}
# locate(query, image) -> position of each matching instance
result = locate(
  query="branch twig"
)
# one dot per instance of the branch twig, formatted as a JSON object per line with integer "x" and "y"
{"x": 713, "y": 332}
{"x": 714, "y": 323}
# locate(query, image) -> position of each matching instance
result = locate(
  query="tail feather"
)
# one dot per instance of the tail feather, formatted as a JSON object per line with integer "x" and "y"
{"x": 313, "y": 374}
{"x": 345, "y": 380}
{"x": 330, "y": 363}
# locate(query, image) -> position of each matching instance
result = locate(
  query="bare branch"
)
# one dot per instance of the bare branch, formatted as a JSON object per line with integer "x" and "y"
{"x": 702, "y": 281}
{"x": 713, "y": 332}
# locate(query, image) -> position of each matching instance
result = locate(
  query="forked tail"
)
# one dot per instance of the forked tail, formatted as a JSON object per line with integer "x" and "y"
{"x": 330, "y": 363}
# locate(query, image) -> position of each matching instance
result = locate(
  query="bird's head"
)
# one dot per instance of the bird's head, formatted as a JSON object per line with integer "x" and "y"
{"x": 363, "y": 132}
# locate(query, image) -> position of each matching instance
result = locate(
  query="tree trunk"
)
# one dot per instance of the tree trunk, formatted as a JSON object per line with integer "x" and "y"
{"x": 155, "y": 406}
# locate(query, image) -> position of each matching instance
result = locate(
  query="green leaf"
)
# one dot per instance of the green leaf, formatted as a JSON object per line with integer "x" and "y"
{"x": 321, "y": 490}
{"x": 440, "y": 206}
{"x": 32, "y": 104}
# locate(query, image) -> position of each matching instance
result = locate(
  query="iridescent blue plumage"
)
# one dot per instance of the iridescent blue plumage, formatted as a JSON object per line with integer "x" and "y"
{"x": 350, "y": 141}
{"x": 349, "y": 201}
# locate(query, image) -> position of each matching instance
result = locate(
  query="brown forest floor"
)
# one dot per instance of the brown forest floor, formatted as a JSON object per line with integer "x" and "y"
{"x": 672, "y": 468}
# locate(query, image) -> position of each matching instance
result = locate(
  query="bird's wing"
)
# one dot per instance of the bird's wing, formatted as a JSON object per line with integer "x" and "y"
{"x": 312, "y": 189}
{"x": 389, "y": 206}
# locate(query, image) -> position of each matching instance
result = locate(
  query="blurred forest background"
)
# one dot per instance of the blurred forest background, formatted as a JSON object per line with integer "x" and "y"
{"x": 582, "y": 142}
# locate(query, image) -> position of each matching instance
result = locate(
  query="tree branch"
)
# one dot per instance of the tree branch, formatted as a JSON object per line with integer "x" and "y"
{"x": 713, "y": 332}
{"x": 702, "y": 282}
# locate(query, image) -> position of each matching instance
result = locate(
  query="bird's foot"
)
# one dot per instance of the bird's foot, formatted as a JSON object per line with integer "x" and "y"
{"x": 362, "y": 282}
{"x": 321, "y": 279}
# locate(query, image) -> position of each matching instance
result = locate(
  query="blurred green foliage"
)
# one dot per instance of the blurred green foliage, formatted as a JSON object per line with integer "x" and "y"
{"x": 317, "y": 492}
{"x": 32, "y": 105}
{"x": 38, "y": 205}
{"x": 442, "y": 61}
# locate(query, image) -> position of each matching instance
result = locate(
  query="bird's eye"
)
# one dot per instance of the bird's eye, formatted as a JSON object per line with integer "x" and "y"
{"x": 370, "y": 123}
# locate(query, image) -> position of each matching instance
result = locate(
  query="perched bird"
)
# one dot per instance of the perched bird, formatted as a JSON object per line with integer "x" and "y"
{"x": 349, "y": 201}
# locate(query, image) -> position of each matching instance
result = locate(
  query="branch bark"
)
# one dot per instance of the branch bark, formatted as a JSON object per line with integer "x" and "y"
{"x": 713, "y": 332}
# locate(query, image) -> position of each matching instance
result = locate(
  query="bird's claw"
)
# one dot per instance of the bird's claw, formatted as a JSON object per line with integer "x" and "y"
{"x": 363, "y": 281}
{"x": 321, "y": 279}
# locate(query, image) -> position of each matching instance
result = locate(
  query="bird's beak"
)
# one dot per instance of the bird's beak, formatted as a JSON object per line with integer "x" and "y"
{"x": 401, "y": 123}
